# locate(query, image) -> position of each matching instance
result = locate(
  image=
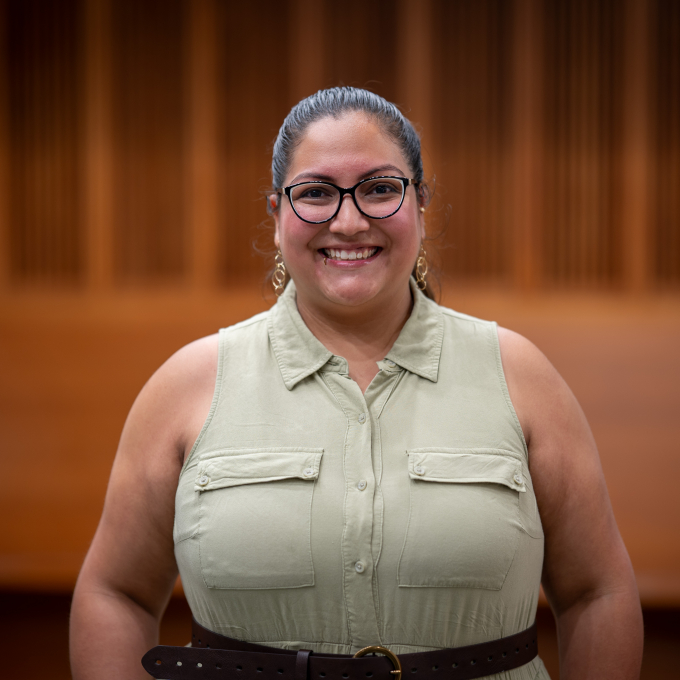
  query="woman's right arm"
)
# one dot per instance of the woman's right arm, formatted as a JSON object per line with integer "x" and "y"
{"x": 128, "y": 574}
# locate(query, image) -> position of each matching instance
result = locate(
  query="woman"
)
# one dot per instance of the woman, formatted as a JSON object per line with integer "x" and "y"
{"x": 358, "y": 466}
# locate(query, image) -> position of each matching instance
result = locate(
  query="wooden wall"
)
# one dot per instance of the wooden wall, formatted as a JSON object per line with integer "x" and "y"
{"x": 135, "y": 141}
{"x": 136, "y": 135}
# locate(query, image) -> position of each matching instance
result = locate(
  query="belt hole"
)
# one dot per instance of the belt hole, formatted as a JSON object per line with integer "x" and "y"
{"x": 199, "y": 665}
{"x": 345, "y": 675}
{"x": 218, "y": 665}
{"x": 517, "y": 650}
{"x": 158, "y": 662}
{"x": 239, "y": 668}
{"x": 455, "y": 665}
{"x": 533, "y": 642}
{"x": 369, "y": 674}
{"x": 505, "y": 654}
{"x": 322, "y": 674}
{"x": 473, "y": 662}
{"x": 435, "y": 668}
{"x": 414, "y": 670}
{"x": 281, "y": 671}
{"x": 259, "y": 670}
{"x": 527, "y": 645}
{"x": 490, "y": 658}
{"x": 179, "y": 663}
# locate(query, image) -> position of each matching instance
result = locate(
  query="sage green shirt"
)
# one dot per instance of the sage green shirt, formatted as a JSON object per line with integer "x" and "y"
{"x": 310, "y": 515}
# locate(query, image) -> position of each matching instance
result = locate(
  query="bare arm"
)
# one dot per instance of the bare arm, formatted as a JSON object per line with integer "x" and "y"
{"x": 130, "y": 569}
{"x": 587, "y": 575}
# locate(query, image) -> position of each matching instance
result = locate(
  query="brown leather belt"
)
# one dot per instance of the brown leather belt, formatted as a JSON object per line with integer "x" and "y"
{"x": 214, "y": 656}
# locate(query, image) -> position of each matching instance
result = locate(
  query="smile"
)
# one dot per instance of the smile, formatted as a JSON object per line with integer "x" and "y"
{"x": 359, "y": 254}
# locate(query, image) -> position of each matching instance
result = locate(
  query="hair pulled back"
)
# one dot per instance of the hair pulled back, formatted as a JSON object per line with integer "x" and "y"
{"x": 335, "y": 102}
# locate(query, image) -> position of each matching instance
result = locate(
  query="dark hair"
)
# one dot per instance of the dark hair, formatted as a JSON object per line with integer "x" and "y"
{"x": 335, "y": 102}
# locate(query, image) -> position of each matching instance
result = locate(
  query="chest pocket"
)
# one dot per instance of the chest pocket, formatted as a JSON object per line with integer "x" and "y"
{"x": 255, "y": 517}
{"x": 464, "y": 523}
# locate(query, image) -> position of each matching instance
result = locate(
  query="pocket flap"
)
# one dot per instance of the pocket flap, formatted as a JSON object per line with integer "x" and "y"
{"x": 465, "y": 466}
{"x": 222, "y": 469}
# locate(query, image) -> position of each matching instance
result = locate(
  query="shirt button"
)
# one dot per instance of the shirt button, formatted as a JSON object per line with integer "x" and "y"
{"x": 362, "y": 418}
{"x": 203, "y": 480}
{"x": 419, "y": 470}
{"x": 359, "y": 566}
{"x": 518, "y": 478}
{"x": 361, "y": 484}
{"x": 308, "y": 472}
{"x": 390, "y": 363}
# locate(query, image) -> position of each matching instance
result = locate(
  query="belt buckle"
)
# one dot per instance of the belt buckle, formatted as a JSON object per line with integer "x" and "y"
{"x": 377, "y": 649}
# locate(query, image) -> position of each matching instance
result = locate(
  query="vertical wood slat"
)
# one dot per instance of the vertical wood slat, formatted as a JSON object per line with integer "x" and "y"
{"x": 5, "y": 254}
{"x": 581, "y": 231}
{"x": 414, "y": 66}
{"x": 254, "y": 98}
{"x": 527, "y": 170}
{"x": 308, "y": 58}
{"x": 666, "y": 125}
{"x": 636, "y": 164}
{"x": 203, "y": 209}
{"x": 473, "y": 133}
{"x": 98, "y": 165}
{"x": 44, "y": 53}
{"x": 359, "y": 53}
{"x": 148, "y": 107}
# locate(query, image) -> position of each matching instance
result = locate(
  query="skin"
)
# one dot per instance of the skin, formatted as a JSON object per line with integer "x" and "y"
{"x": 357, "y": 310}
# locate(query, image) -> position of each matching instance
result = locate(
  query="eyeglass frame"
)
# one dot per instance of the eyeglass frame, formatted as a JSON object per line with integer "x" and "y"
{"x": 405, "y": 182}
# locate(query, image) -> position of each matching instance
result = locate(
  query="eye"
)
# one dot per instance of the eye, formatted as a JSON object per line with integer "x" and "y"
{"x": 313, "y": 193}
{"x": 383, "y": 188}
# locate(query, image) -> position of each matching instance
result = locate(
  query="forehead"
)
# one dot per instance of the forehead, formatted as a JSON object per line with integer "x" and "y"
{"x": 346, "y": 147}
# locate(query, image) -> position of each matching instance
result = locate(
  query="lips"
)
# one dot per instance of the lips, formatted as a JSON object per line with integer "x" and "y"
{"x": 349, "y": 253}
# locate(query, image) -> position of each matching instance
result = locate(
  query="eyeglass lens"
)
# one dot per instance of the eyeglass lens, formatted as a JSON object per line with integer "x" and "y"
{"x": 318, "y": 202}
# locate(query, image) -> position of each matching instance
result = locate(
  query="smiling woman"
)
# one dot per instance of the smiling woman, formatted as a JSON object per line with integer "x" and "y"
{"x": 358, "y": 469}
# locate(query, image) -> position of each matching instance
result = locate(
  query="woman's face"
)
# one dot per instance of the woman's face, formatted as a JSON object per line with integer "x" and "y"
{"x": 344, "y": 151}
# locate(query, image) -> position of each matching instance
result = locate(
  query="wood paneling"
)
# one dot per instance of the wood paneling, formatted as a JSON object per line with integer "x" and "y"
{"x": 665, "y": 225}
{"x": 44, "y": 58}
{"x": 254, "y": 76}
{"x": 584, "y": 51}
{"x": 139, "y": 133}
{"x": 148, "y": 59}
{"x": 472, "y": 126}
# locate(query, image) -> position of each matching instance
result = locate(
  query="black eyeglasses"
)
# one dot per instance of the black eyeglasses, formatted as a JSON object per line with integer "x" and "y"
{"x": 375, "y": 197}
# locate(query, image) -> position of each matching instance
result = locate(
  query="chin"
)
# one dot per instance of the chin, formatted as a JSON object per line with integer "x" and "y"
{"x": 351, "y": 293}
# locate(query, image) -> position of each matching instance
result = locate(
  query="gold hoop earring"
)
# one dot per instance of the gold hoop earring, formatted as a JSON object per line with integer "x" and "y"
{"x": 279, "y": 274}
{"x": 421, "y": 269}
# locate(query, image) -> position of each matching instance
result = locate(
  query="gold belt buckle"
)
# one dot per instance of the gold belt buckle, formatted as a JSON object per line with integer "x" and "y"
{"x": 377, "y": 649}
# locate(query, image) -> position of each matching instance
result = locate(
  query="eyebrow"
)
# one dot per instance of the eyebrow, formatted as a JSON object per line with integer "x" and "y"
{"x": 327, "y": 178}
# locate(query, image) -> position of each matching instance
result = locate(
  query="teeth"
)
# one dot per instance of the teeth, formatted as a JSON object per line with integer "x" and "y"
{"x": 364, "y": 254}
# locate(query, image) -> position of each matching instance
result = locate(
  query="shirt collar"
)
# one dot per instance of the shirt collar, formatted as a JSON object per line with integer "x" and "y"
{"x": 299, "y": 353}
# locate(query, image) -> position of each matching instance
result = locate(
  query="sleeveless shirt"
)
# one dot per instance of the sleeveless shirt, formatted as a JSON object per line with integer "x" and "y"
{"x": 311, "y": 516}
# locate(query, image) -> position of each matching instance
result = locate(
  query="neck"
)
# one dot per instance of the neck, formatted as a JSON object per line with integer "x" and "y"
{"x": 362, "y": 335}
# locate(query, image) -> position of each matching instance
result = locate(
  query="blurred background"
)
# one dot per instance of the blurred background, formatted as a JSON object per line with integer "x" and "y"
{"x": 135, "y": 140}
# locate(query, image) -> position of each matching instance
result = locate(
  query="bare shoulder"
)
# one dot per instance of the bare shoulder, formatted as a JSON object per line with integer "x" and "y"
{"x": 172, "y": 406}
{"x": 536, "y": 389}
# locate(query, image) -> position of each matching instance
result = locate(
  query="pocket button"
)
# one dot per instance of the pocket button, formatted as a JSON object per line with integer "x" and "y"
{"x": 361, "y": 485}
{"x": 203, "y": 480}
{"x": 518, "y": 478}
{"x": 359, "y": 566}
{"x": 419, "y": 470}
{"x": 308, "y": 472}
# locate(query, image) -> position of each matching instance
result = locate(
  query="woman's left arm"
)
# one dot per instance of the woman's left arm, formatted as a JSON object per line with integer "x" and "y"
{"x": 587, "y": 574}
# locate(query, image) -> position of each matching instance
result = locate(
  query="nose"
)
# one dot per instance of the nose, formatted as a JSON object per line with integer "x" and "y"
{"x": 349, "y": 220}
